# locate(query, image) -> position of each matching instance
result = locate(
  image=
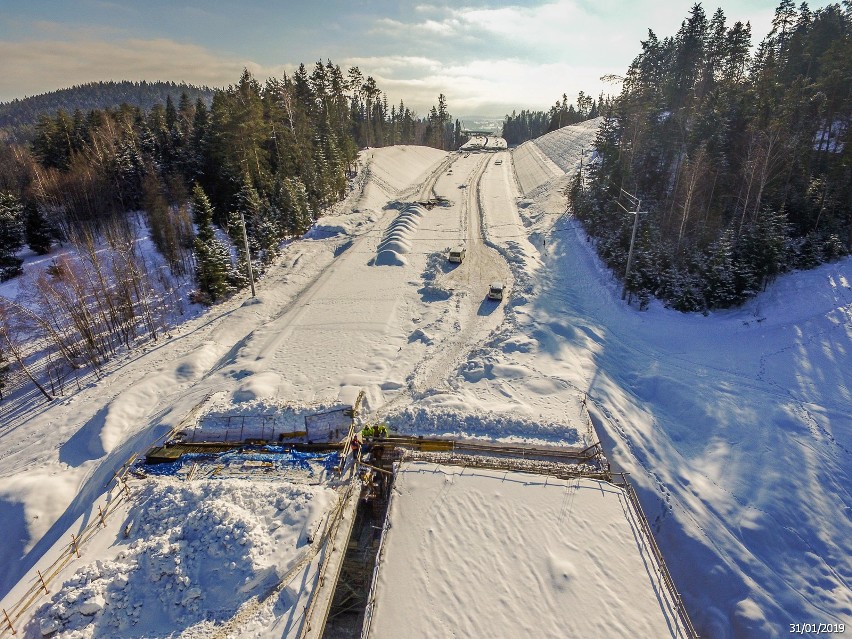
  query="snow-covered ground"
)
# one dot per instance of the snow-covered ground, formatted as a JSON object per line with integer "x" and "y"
{"x": 735, "y": 427}
{"x": 471, "y": 552}
{"x": 187, "y": 556}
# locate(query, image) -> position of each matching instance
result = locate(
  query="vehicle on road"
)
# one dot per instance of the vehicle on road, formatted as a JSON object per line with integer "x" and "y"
{"x": 498, "y": 161}
{"x": 457, "y": 254}
{"x": 496, "y": 290}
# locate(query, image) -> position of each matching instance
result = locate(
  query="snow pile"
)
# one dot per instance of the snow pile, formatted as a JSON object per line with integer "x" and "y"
{"x": 458, "y": 422}
{"x": 193, "y": 553}
{"x": 396, "y": 241}
{"x": 336, "y": 225}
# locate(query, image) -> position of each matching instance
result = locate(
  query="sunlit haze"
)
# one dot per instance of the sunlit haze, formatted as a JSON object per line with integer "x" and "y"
{"x": 488, "y": 57}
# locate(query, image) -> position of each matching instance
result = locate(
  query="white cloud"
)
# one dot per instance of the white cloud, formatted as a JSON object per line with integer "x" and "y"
{"x": 485, "y": 87}
{"x": 389, "y": 65}
{"x": 33, "y": 67}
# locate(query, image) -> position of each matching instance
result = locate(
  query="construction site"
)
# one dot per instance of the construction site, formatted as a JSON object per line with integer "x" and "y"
{"x": 363, "y": 566}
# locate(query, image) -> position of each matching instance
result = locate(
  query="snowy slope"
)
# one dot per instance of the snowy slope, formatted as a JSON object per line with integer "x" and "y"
{"x": 539, "y": 160}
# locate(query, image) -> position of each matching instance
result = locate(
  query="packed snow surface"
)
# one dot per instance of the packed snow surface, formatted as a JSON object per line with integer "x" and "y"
{"x": 471, "y": 552}
{"x": 735, "y": 427}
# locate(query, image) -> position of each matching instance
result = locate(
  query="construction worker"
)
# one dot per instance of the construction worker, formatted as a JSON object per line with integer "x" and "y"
{"x": 356, "y": 446}
{"x": 367, "y": 431}
{"x": 381, "y": 430}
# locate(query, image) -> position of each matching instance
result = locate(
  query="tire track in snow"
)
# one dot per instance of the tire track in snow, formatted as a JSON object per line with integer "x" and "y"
{"x": 469, "y": 282}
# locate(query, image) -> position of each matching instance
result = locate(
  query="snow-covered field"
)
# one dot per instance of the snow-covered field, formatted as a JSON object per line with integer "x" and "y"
{"x": 735, "y": 427}
{"x": 471, "y": 552}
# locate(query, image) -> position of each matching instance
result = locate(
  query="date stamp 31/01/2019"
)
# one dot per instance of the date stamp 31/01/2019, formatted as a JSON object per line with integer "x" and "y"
{"x": 809, "y": 628}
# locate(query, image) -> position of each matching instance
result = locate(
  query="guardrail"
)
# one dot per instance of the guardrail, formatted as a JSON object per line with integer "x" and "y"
{"x": 633, "y": 498}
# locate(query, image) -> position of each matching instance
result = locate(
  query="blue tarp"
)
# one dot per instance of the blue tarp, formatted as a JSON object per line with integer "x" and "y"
{"x": 278, "y": 456}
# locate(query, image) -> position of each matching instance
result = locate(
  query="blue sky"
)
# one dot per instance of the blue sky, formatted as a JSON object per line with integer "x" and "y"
{"x": 488, "y": 57}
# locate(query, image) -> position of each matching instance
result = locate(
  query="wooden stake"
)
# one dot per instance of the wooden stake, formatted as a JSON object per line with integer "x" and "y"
{"x": 101, "y": 513}
{"x": 74, "y": 543}
{"x": 9, "y": 621}
{"x": 43, "y": 584}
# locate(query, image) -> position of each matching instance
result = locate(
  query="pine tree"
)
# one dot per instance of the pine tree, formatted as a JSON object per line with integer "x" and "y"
{"x": 720, "y": 290}
{"x": 37, "y": 230}
{"x": 11, "y": 236}
{"x": 212, "y": 256}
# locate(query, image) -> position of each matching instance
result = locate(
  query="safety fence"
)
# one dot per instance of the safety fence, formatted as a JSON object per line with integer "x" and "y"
{"x": 620, "y": 480}
{"x": 118, "y": 493}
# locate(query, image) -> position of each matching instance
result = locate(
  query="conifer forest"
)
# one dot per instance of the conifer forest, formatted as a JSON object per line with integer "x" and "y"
{"x": 740, "y": 164}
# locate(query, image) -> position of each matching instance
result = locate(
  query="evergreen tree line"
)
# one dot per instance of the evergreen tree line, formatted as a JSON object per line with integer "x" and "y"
{"x": 272, "y": 154}
{"x": 267, "y": 158}
{"x": 18, "y": 117}
{"x": 741, "y": 162}
{"x": 528, "y": 125}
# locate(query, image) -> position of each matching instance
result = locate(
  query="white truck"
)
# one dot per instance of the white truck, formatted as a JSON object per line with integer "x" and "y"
{"x": 496, "y": 290}
{"x": 457, "y": 254}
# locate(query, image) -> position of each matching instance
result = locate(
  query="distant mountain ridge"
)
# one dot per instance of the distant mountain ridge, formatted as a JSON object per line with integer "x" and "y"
{"x": 19, "y": 116}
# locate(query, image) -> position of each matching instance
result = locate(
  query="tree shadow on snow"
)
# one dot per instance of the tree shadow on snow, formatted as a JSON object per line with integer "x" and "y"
{"x": 85, "y": 444}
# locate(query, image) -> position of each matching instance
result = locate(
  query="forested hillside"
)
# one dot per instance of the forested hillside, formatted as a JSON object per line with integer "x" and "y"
{"x": 740, "y": 163}
{"x": 18, "y": 117}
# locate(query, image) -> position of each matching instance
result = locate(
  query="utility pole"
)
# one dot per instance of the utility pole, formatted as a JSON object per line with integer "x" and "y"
{"x": 248, "y": 254}
{"x": 582, "y": 153}
{"x": 632, "y": 237}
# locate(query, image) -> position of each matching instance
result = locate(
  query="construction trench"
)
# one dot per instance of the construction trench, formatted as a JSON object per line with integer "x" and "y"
{"x": 342, "y": 594}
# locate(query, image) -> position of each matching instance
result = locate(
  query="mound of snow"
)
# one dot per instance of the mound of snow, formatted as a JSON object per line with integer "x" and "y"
{"x": 194, "y": 552}
{"x": 396, "y": 241}
{"x": 464, "y": 422}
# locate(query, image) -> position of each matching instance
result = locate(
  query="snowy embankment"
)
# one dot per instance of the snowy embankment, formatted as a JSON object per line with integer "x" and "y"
{"x": 553, "y": 154}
